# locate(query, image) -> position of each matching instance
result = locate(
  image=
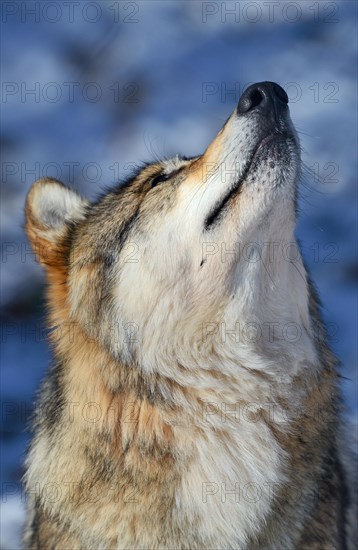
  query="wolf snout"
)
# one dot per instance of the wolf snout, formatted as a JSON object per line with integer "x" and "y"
{"x": 264, "y": 98}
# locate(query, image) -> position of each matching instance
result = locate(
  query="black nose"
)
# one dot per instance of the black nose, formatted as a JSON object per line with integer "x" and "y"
{"x": 267, "y": 98}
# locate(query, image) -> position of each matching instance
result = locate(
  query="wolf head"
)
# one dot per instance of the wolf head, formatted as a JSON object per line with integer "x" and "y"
{"x": 154, "y": 267}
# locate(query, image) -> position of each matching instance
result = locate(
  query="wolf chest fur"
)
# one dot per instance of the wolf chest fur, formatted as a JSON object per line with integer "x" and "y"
{"x": 193, "y": 399}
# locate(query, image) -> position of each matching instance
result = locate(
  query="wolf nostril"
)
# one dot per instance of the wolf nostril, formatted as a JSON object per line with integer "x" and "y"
{"x": 267, "y": 98}
{"x": 250, "y": 100}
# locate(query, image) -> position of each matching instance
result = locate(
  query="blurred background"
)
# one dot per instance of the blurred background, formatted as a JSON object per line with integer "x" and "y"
{"x": 89, "y": 89}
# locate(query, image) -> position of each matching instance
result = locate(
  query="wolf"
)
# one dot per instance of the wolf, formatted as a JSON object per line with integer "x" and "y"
{"x": 193, "y": 400}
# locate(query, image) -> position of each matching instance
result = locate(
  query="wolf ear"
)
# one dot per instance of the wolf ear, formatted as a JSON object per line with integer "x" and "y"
{"x": 50, "y": 209}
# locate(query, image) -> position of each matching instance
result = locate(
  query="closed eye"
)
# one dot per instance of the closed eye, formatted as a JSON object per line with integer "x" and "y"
{"x": 159, "y": 179}
{"x": 164, "y": 177}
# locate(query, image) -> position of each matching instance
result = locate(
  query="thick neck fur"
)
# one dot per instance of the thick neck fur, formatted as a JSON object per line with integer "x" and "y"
{"x": 202, "y": 448}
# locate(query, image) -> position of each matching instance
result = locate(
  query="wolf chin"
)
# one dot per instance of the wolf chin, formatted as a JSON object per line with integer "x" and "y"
{"x": 193, "y": 399}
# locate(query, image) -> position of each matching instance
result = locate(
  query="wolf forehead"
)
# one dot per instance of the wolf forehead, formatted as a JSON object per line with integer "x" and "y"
{"x": 140, "y": 200}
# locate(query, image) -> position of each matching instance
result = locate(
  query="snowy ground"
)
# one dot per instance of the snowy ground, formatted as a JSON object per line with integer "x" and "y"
{"x": 115, "y": 83}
